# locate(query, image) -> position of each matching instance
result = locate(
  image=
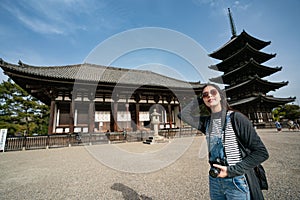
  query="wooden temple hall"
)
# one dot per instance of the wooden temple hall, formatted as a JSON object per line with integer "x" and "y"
{"x": 88, "y": 98}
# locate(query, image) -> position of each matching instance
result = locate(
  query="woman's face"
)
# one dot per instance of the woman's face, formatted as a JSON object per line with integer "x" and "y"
{"x": 212, "y": 98}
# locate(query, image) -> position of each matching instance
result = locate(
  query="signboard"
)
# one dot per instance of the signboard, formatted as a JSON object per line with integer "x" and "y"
{"x": 144, "y": 116}
{"x": 102, "y": 116}
{"x": 123, "y": 116}
{"x": 3, "y": 134}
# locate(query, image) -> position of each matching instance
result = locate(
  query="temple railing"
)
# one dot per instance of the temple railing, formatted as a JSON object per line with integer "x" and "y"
{"x": 67, "y": 140}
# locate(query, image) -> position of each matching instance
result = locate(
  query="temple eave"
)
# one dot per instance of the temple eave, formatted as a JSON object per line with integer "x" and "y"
{"x": 263, "y": 99}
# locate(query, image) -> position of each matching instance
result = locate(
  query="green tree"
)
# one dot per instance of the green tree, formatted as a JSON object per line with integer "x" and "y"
{"x": 278, "y": 113}
{"x": 21, "y": 112}
{"x": 292, "y": 111}
{"x": 288, "y": 111}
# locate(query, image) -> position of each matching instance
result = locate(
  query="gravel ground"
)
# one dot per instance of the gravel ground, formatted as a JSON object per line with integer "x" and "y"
{"x": 83, "y": 173}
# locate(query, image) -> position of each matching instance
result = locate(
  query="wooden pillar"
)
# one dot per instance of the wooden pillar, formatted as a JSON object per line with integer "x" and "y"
{"x": 53, "y": 94}
{"x": 71, "y": 116}
{"x": 156, "y": 99}
{"x": 137, "y": 99}
{"x": 72, "y": 110}
{"x": 127, "y": 113}
{"x": 137, "y": 116}
{"x": 114, "y": 114}
{"x": 111, "y": 123}
{"x": 91, "y": 121}
{"x": 170, "y": 117}
{"x": 51, "y": 118}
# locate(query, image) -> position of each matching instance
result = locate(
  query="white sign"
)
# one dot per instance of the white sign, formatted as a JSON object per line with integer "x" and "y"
{"x": 144, "y": 116}
{"x": 123, "y": 116}
{"x": 3, "y": 134}
{"x": 102, "y": 116}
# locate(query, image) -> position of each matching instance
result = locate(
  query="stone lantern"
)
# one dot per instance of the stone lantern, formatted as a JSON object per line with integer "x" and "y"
{"x": 155, "y": 121}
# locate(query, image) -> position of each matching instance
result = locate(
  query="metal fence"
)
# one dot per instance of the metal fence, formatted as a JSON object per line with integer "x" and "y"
{"x": 66, "y": 140}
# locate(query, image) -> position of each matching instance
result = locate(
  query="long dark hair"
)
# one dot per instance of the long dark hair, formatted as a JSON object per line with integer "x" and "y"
{"x": 224, "y": 104}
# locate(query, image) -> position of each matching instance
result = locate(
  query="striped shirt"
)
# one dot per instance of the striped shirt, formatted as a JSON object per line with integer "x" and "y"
{"x": 230, "y": 144}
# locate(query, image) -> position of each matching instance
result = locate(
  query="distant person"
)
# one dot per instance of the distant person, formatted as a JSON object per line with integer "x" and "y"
{"x": 292, "y": 125}
{"x": 231, "y": 175}
{"x": 297, "y": 125}
{"x": 278, "y": 126}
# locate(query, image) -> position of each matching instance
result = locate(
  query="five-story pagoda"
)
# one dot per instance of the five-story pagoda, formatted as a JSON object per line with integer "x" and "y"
{"x": 243, "y": 72}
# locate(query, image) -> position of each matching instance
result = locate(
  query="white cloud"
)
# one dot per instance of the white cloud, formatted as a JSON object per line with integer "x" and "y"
{"x": 40, "y": 26}
{"x": 240, "y": 6}
{"x": 52, "y": 17}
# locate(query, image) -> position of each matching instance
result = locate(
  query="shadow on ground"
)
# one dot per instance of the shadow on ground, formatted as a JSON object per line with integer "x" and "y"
{"x": 128, "y": 193}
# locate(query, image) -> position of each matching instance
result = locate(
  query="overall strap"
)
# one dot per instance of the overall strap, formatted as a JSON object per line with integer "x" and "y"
{"x": 208, "y": 121}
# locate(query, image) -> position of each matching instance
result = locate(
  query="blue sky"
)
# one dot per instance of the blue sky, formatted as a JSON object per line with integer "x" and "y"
{"x": 64, "y": 32}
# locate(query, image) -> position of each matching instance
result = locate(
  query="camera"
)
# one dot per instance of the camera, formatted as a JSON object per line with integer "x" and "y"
{"x": 214, "y": 172}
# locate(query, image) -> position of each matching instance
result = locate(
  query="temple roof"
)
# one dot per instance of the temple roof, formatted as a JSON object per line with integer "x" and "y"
{"x": 255, "y": 84}
{"x": 259, "y": 99}
{"x": 236, "y": 43}
{"x": 94, "y": 73}
{"x": 251, "y": 68}
{"x": 243, "y": 55}
{"x": 44, "y": 82}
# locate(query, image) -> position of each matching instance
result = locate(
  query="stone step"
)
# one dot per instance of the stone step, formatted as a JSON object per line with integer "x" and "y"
{"x": 147, "y": 142}
{"x": 150, "y": 140}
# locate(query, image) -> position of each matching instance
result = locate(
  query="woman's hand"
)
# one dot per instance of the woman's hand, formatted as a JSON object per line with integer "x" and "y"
{"x": 223, "y": 170}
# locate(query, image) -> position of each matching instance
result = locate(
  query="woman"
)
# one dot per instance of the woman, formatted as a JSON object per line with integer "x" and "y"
{"x": 228, "y": 134}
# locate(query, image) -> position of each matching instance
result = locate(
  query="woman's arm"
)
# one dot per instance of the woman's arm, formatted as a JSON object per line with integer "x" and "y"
{"x": 248, "y": 136}
{"x": 191, "y": 114}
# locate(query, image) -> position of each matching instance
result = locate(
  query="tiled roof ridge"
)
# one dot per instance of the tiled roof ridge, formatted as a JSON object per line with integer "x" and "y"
{"x": 36, "y": 68}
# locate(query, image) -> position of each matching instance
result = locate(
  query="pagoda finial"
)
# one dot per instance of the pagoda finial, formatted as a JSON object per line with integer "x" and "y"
{"x": 233, "y": 31}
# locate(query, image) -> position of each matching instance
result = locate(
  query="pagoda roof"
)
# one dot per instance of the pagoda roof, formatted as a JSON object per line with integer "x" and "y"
{"x": 259, "y": 99}
{"x": 236, "y": 43}
{"x": 244, "y": 54}
{"x": 255, "y": 84}
{"x": 251, "y": 68}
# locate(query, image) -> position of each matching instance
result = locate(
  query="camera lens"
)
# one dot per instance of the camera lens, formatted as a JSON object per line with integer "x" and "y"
{"x": 214, "y": 172}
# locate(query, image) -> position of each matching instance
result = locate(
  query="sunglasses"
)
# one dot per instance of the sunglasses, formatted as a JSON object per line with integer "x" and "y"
{"x": 213, "y": 92}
